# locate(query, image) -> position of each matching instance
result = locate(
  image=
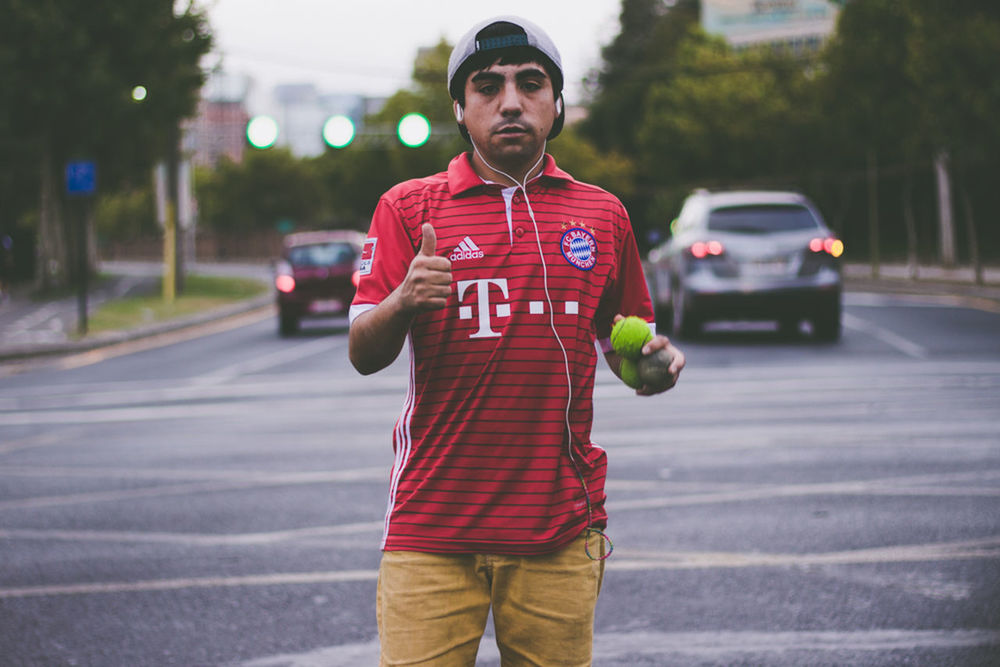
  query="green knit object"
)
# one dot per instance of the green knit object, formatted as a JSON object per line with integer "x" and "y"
{"x": 628, "y": 335}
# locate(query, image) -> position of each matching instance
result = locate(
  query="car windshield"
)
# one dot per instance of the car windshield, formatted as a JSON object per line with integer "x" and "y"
{"x": 321, "y": 254}
{"x": 761, "y": 219}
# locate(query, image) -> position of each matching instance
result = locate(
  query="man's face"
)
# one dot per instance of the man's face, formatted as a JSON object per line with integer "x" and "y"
{"x": 509, "y": 111}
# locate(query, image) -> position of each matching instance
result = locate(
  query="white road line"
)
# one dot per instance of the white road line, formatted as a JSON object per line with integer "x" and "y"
{"x": 191, "y": 474}
{"x": 985, "y": 549}
{"x": 276, "y": 579}
{"x": 220, "y": 481}
{"x": 264, "y": 362}
{"x": 164, "y": 339}
{"x": 235, "y": 483}
{"x": 155, "y": 412}
{"x": 717, "y": 647}
{"x": 906, "y": 346}
{"x": 912, "y": 485}
{"x": 192, "y": 539}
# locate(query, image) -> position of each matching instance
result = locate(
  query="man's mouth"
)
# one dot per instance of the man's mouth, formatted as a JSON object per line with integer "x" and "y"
{"x": 512, "y": 129}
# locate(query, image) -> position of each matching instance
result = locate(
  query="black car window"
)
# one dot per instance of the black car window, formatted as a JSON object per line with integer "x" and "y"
{"x": 321, "y": 254}
{"x": 761, "y": 219}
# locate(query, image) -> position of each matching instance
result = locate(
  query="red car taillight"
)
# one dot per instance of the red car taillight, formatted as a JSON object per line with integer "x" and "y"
{"x": 831, "y": 246}
{"x": 702, "y": 249}
{"x": 285, "y": 283}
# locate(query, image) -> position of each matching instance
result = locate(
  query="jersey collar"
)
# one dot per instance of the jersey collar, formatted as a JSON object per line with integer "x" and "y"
{"x": 462, "y": 177}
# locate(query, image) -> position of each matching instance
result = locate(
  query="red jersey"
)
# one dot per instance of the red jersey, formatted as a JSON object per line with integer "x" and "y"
{"x": 494, "y": 435}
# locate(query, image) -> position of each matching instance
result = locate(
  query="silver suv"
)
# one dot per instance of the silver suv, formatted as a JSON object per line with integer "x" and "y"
{"x": 748, "y": 255}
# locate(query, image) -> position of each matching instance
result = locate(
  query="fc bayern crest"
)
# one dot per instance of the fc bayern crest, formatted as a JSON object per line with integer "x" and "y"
{"x": 579, "y": 248}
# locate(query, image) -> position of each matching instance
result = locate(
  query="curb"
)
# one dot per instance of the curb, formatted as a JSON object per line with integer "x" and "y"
{"x": 34, "y": 350}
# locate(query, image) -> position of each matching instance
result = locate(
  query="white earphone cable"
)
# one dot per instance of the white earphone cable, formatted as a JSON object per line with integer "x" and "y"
{"x": 522, "y": 185}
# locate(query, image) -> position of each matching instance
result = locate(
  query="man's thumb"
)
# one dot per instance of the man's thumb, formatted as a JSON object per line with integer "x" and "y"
{"x": 429, "y": 243}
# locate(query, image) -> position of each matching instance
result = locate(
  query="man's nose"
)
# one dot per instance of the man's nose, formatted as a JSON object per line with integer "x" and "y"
{"x": 510, "y": 99}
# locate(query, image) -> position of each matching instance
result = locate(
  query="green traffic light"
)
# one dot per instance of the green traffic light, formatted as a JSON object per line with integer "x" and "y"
{"x": 338, "y": 131}
{"x": 262, "y": 132}
{"x": 413, "y": 130}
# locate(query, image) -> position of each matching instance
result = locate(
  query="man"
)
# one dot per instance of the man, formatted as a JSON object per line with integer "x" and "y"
{"x": 500, "y": 274}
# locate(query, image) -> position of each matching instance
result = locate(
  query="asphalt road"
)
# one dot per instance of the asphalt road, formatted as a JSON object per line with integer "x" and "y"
{"x": 218, "y": 500}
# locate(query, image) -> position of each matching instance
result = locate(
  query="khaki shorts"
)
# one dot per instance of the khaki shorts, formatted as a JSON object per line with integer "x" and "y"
{"x": 432, "y": 608}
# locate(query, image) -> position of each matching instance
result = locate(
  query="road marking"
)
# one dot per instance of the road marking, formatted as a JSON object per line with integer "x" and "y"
{"x": 264, "y": 362}
{"x": 625, "y": 560}
{"x": 140, "y": 414}
{"x": 709, "y": 645}
{"x": 906, "y": 346}
{"x": 44, "y": 439}
{"x": 878, "y": 299}
{"x": 895, "y": 486}
{"x": 682, "y": 496}
{"x": 718, "y": 646}
{"x": 982, "y": 549}
{"x": 276, "y": 579}
{"x": 193, "y": 539}
{"x": 234, "y": 482}
{"x": 161, "y": 340}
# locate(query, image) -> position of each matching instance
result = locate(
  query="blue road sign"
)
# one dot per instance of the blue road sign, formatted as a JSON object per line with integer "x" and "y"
{"x": 81, "y": 177}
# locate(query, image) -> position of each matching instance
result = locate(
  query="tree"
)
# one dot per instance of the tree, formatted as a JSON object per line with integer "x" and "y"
{"x": 268, "y": 187}
{"x": 641, "y": 55}
{"x": 67, "y": 71}
{"x": 952, "y": 55}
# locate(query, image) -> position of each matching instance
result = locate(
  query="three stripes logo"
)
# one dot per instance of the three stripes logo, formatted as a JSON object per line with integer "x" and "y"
{"x": 467, "y": 249}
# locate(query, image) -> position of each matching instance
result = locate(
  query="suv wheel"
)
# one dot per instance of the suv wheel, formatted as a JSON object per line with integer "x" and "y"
{"x": 826, "y": 323}
{"x": 685, "y": 322}
{"x": 288, "y": 324}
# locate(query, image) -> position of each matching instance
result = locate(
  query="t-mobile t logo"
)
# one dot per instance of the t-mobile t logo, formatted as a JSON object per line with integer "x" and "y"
{"x": 483, "y": 304}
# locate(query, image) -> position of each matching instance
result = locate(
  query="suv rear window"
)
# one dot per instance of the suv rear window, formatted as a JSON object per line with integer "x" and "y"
{"x": 761, "y": 219}
{"x": 321, "y": 254}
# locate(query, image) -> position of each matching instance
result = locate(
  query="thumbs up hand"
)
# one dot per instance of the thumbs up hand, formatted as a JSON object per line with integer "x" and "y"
{"x": 428, "y": 281}
{"x": 429, "y": 243}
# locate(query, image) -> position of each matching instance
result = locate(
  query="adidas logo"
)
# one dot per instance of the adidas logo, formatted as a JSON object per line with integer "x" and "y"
{"x": 467, "y": 249}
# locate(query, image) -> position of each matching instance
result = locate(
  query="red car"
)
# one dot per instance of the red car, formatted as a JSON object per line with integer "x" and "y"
{"x": 316, "y": 276}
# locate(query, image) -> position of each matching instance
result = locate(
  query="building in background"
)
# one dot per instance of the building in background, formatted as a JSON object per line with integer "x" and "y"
{"x": 219, "y": 128}
{"x": 802, "y": 25}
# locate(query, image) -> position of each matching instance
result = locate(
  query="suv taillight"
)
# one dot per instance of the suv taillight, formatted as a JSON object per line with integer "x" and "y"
{"x": 830, "y": 245}
{"x": 703, "y": 249}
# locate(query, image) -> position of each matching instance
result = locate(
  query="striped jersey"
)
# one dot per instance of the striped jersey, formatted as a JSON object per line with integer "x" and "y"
{"x": 492, "y": 448}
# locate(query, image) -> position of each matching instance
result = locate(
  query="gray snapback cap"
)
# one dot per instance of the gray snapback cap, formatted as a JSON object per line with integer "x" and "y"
{"x": 532, "y": 36}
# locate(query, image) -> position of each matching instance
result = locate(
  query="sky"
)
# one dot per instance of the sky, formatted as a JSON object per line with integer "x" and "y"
{"x": 368, "y": 46}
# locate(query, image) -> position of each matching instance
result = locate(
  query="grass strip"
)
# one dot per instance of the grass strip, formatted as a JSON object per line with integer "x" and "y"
{"x": 200, "y": 293}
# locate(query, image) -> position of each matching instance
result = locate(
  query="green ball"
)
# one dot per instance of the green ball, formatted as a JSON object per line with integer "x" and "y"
{"x": 654, "y": 370}
{"x": 628, "y": 335}
{"x": 630, "y": 373}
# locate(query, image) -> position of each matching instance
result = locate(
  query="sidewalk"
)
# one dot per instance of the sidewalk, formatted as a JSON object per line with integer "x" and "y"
{"x": 30, "y": 328}
{"x": 33, "y": 328}
{"x": 935, "y": 281}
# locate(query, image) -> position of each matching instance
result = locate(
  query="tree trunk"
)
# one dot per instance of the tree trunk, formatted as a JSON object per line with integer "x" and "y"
{"x": 970, "y": 229}
{"x": 946, "y": 225}
{"x": 873, "y": 229}
{"x": 912, "y": 259}
{"x": 51, "y": 267}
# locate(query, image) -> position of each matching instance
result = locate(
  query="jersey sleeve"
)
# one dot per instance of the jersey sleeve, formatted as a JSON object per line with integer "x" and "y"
{"x": 385, "y": 259}
{"x": 628, "y": 293}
